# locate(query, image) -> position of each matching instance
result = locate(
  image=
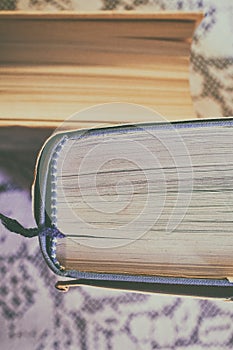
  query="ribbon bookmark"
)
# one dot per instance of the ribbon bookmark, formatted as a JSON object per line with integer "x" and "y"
{"x": 14, "y": 226}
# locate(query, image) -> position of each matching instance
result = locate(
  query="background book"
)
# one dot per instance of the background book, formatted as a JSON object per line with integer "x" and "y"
{"x": 53, "y": 65}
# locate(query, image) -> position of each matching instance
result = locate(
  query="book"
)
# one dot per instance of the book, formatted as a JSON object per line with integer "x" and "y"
{"x": 151, "y": 210}
{"x": 53, "y": 65}
{"x": 140, "y": 201}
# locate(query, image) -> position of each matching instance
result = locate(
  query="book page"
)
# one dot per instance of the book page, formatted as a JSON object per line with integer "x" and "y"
{"x": 150, "y": 200}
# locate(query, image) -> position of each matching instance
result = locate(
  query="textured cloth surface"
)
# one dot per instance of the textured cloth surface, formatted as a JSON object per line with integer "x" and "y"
{"x": 33, "y": 314}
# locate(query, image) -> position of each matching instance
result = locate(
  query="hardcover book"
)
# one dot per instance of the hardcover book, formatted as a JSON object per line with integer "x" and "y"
{"x": 53, "y": 65}
{"x": 149, "y": 204}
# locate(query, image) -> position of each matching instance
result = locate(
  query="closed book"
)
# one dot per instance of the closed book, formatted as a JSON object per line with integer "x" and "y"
{"x": 55, "y": 64}
{"x": 141, "y": 206}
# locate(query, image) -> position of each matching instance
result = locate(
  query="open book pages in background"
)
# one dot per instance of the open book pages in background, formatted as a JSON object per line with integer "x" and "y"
{"x": 151, "y": 199}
